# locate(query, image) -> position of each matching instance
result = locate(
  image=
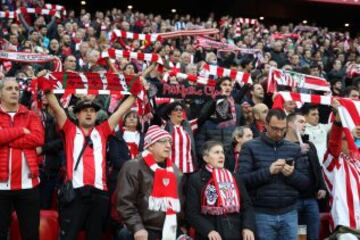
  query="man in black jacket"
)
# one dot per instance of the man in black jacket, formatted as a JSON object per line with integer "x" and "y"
{"x": 273, "y": 180}
{"x": 308, "y": 209}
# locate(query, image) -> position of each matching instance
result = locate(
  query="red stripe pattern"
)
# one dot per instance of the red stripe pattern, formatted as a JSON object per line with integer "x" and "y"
{"x": 240, "y": 77}
{"x": 293, "y": 79}
{"x": 117, "y": 54}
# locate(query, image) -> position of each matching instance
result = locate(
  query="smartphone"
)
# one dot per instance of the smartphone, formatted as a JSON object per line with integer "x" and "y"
{"x": 305, "y": 138}
{"x": 289, "y": 161}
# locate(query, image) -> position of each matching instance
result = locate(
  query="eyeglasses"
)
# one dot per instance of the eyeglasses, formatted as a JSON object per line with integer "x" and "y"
{"x": 165, "y": 141}
{"x": 276, "y": 129}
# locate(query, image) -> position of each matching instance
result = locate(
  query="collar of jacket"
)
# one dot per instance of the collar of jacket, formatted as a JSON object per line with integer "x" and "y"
{"x": 21, "y": 109}
{"x": 271, "y": 142}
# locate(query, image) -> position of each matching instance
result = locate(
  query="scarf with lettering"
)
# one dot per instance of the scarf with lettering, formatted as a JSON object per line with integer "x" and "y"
{"x": 221, "y": 194}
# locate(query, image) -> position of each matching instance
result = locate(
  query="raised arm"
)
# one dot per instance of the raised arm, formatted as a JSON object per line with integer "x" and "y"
{"x": 123, "y": 108}
{"x": 59, "y": 112}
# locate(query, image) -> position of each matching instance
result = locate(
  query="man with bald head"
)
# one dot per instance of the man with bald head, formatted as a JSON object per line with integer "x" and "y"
{"x": 260, "y": 111}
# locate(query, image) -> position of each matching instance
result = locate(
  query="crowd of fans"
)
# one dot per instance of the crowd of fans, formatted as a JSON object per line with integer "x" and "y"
{"x": 274, "y": 182}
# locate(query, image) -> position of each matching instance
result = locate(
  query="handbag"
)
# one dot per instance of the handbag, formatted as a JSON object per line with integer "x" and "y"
{"x": 67, "y": 192}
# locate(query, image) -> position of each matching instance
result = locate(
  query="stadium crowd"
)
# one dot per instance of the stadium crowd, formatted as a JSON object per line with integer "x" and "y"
{"x": 176, "y": 128}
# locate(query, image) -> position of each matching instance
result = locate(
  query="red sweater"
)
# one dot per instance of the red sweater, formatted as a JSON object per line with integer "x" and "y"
{"x": 12, "y": 136}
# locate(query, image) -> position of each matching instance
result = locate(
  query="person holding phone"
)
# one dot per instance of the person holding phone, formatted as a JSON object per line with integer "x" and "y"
{"x": 272, "y": 184}
{"x": 307, "y": 205}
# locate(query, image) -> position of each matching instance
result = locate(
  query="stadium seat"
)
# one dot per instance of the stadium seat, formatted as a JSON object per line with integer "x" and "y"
{"x": 324, "y": 225}
{"x": 49, "y": 226}
{"x": 106, "y": 236}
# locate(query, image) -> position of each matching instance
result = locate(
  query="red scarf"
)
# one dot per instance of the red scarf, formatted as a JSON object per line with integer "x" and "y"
{"x": 232, "y": 110}
{"x": 221, "y": 194}
{"x": 164, "y": 196}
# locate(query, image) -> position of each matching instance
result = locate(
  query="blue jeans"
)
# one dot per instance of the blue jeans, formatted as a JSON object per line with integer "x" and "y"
{"x": 276, "y": 227}
{"x": 308, "y": 212}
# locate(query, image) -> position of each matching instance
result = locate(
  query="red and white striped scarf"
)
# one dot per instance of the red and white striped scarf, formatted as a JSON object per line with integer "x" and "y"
{"x": 183, "y": 33}
{"x": 89, "y": 81}
{"x": 353, "y": 70}
{"x": 38, "y": 11}
{"x": 132, "y": 139}
{"x": 190, "y": 77}
{"x": 58, "y": 8}
{"x": 221, "y": 194}
{"x": 116, "y": 54}
{"x": 284, "y": 36}
{"x": 31, "y": 58}
{"x": 293, "y": 79}
{"x": 240, "y": 77}
{"x": 164, "y": 195}
{"x": 349, "y": 110}
{"x": 151, "y": 38}
{"x": 342, "y": 177}
{"x": 223, "y": 46}
{"x": 240, "y": 22}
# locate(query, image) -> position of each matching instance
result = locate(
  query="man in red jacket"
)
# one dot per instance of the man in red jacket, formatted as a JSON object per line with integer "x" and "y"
{"x": 21, "y": 132}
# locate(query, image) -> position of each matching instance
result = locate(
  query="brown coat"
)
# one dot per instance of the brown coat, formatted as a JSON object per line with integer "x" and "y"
{"x": 133, "y": 190}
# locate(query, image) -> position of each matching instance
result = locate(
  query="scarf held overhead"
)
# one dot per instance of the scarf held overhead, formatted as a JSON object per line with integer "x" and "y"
{"x": 30, "y": 58}
{"x": 293, "y": 79}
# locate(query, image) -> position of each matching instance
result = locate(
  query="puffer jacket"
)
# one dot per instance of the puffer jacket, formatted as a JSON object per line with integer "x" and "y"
{"x": 135, "y": 184}
{"x": 12, "y": 136}
{"x": 271, "y": 193}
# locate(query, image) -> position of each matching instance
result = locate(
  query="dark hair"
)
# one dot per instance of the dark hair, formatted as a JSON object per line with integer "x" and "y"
{"x": 356, "y": 81}
{"x": 221, "y": 80}
{"x": 246, "y": 61}
{"x": 253, "y": 86}
{"x": 306, "y": 108}
{"x": 292, "y": 116}
{"x": 136, "y": 70}
{"x": 170, "y": 107}
{"x": 278, "y": 113}
{"x": 209, "y": 145}
{"x": 314, "y": 65}
{"x": 348, "y": 90}
{"x": 138, "y": 126}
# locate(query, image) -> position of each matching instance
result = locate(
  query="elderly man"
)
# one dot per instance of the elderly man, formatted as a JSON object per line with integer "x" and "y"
{"x": 21, "y": 132}
{"x": 148, "y": 189}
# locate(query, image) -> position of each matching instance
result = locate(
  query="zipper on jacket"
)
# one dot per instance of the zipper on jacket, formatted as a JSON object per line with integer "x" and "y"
{"x": 10, "y": 153}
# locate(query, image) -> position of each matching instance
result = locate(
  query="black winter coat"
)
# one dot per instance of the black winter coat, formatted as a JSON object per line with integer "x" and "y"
{"x": 229, "y": 226}
{"x": 117, "y": 154}
{"x": 272, "y": 194}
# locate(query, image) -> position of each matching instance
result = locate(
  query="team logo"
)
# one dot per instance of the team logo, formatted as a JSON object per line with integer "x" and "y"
{"x": 211, "y": 195}
{"x": 226, "y": 191}
{"x": 166, "y": 181}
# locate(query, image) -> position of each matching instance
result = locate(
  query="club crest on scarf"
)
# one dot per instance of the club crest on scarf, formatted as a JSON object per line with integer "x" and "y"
{"x": 166, "y": 181}
{"x": 221, "y": 194}
{"x": 211, "y": 195}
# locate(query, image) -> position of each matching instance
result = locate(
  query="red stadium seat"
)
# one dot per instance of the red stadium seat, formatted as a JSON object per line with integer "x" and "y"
{"x": 48, "y": 230}
{"x": 106, "y": 236}
{"x": 324, "y": 225}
